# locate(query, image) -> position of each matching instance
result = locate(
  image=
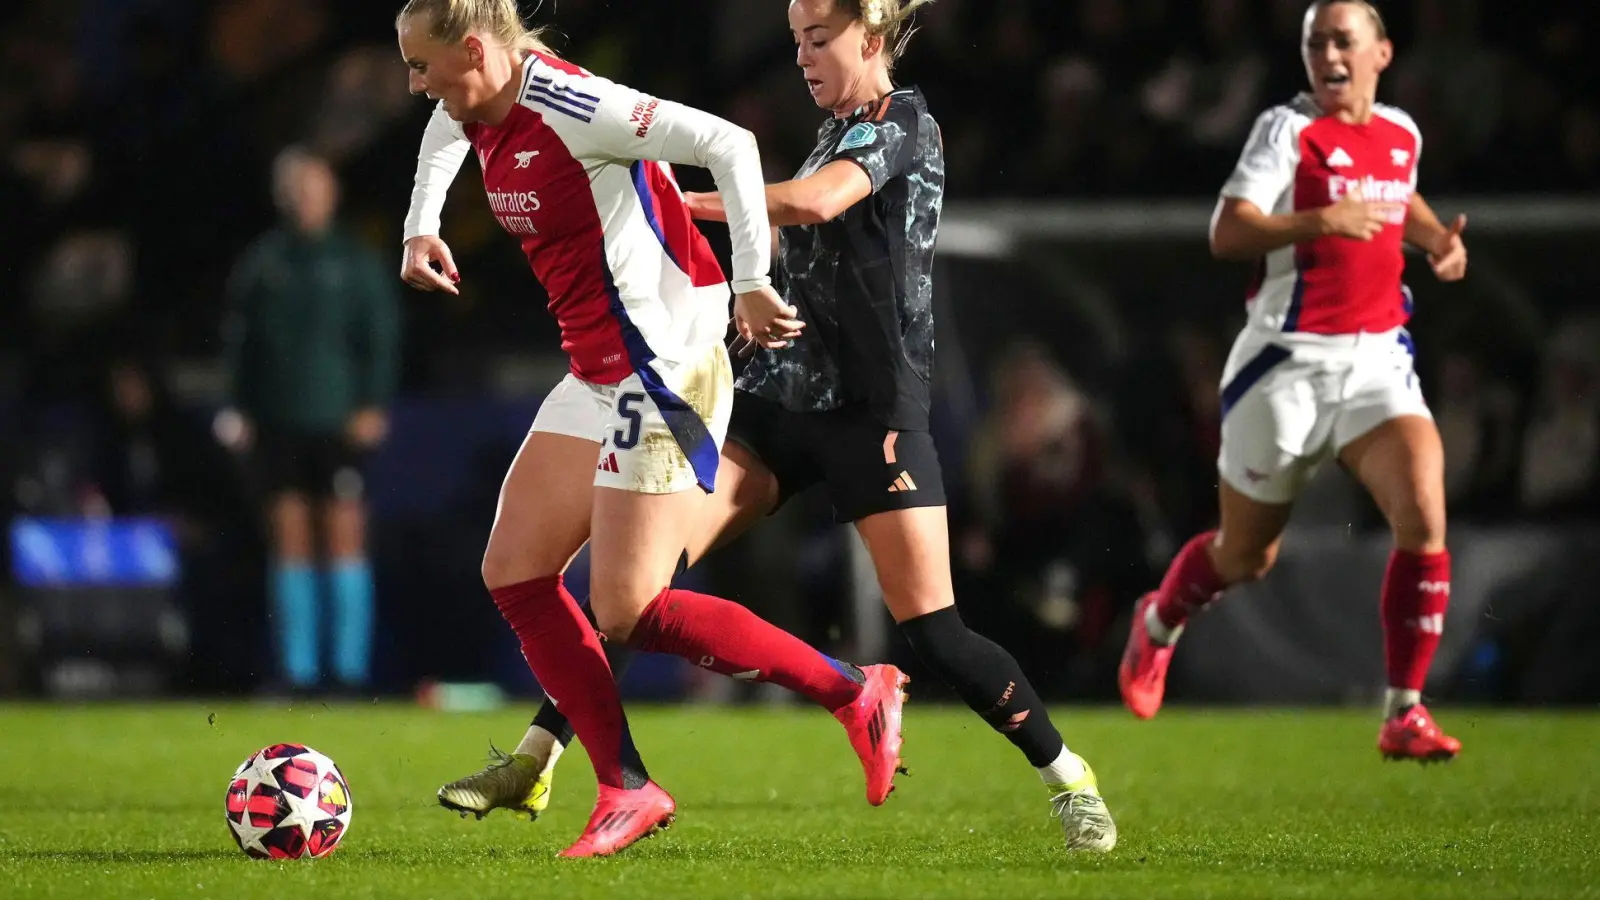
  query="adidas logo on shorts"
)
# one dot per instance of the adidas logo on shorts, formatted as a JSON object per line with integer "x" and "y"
{"x": 903, "y": 483}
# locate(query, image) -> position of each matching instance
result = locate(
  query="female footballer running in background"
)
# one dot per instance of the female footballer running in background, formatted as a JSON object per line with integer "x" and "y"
{"x": 1323, "y": 196}
{"x": 847, "y": 405}
{"x": 624, "y": 452}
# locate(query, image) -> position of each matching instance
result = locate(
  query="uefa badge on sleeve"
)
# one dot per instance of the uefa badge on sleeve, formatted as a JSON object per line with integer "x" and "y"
{"x": 859, "y": 136}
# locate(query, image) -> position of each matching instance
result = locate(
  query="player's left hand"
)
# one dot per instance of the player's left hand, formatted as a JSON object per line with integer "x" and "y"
{"x": 367, "y": 427}
{"x": 764, "y": 320}
{"x": 1449, "y": 256}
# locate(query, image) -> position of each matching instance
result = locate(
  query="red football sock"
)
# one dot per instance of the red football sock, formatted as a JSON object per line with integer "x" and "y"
{"x": 1190, "y": 583}
{"x": 1416, "y": 590}
{"x": 728, "y": 639}
{"x": 564, "y": 653}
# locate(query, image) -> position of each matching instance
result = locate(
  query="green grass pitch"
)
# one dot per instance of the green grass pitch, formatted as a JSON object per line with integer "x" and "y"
{"x": 127, "y": 801}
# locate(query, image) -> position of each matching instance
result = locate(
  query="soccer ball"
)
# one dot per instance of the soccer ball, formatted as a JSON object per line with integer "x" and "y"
{"x": 288, "y": 801}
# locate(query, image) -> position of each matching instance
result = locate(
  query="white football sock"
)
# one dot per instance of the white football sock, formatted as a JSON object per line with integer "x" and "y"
{"x": 539, "y": 744}
{"x": 1396, "y": 699}
{"x": 1159, "y": 632}
{"x": 1065, "y": 770}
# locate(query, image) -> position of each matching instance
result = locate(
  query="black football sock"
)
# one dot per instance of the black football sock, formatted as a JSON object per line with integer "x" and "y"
{"x": 988, "y": 679}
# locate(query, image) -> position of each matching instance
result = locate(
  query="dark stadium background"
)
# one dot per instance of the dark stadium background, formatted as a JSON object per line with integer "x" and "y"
{"x": 1083, "y": 328}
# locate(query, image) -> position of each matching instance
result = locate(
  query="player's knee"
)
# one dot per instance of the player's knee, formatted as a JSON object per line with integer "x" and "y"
{"x": 1418, "y": 523}
{"x": 937, "y": 637}
{"x": 613, "y": 617}
{"x": 518, "y": 554}
{"x": 910, "y": 601}
{"x": 618, "y": 601}
{"x": 501, "y": 568}
{"x": 496, "y": 569}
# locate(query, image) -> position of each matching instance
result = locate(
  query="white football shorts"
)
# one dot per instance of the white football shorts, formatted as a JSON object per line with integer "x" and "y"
{"x": 1291, "y": 401}
{"x": 660, "y": 429}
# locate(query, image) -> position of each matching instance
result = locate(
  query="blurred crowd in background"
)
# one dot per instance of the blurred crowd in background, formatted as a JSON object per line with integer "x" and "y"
{"x": 137, "y": 139}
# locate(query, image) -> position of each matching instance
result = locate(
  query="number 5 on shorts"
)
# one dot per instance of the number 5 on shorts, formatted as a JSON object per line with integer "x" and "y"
{"x": 627, "y": 440}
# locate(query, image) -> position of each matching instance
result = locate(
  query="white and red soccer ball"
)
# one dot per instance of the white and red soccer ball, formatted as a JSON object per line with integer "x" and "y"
{"x": 288, "y": 801}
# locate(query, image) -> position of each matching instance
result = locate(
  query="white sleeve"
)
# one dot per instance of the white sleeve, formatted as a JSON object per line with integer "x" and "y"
{"x": 628, "y": 125}
{"x": 1416, "y": 156}
{"x": 444, "y": 149}
{"x": 1265, "y": 172}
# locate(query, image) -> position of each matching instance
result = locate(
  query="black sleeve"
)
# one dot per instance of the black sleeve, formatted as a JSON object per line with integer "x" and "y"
{"x": 885, "y": 142}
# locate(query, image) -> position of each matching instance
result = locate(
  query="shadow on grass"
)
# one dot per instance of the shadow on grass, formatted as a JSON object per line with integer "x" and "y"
{"x": 145, "y": 857}
{"x": 157, "y": 857}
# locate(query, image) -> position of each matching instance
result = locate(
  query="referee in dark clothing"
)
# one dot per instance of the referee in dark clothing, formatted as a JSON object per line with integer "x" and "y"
{"x": 313, "y": 345}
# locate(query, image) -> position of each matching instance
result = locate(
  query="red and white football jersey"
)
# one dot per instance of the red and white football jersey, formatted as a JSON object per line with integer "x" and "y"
{"x": 579, "y": 173}
{"x": 1297, "y": 159}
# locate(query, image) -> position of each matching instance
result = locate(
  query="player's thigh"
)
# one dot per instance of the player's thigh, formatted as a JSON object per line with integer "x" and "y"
{"x": 542, "y": 517}
{"x": 659, "y": 464}
{"x": 1275, "y": 427}
{"x": 746, "y": 492}
{"x": 1401, "y": 464}
{"x": 891, "y": 486}
{"x": 766, "y": 459}
{"x": 910, "y": 550}
{"x": 1387, "y": 438}
{"x": 634, "y": 548}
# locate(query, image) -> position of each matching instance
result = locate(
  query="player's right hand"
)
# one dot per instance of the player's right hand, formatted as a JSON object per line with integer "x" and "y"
{"x": 764, "y": 320}
{"x": 416, "y": 266}
{"x": 1353, "y": 217}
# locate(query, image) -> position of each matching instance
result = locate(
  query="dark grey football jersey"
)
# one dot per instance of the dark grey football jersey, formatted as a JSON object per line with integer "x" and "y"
{"x": 864, "y": 282}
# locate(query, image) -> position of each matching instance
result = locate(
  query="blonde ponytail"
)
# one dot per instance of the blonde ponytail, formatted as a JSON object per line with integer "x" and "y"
{"x": 886, "y": 19}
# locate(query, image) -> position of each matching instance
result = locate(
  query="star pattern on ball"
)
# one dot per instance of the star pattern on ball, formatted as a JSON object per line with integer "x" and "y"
{"x": 258, "y": 771}
{"x": 275, "y": 804}
{"x": 262, "y": 771}
{"x": 303, "y": 813}
{"x": 249, "y": 835}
